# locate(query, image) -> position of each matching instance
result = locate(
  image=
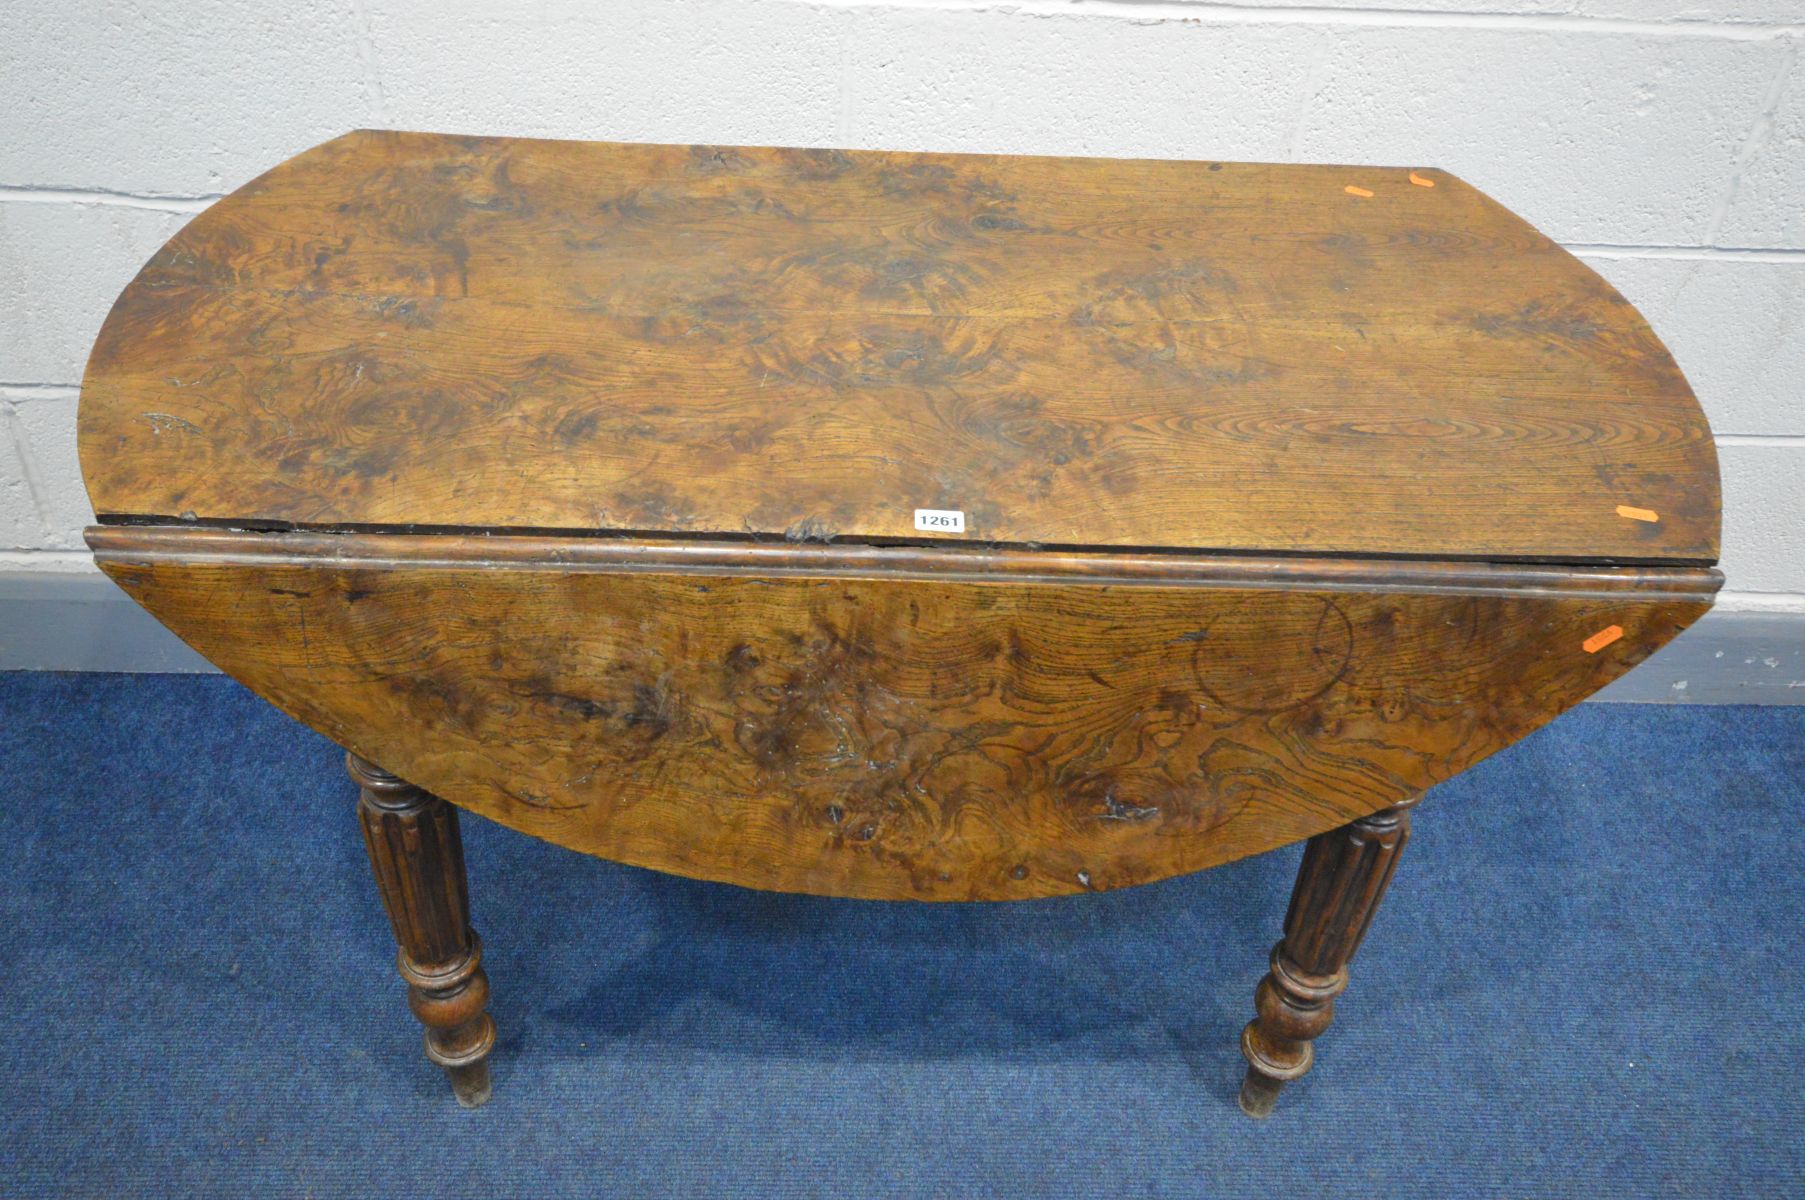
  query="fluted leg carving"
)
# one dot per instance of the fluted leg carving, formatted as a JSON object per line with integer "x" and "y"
{"x": 418, "y": 857}
{"x": 1339, "y": 884}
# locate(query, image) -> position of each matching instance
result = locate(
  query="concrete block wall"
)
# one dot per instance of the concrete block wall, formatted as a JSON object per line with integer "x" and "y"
{"x": 1662, "y": 140}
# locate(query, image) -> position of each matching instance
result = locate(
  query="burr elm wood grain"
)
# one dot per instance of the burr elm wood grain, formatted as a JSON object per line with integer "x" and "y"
{"x": 897, "y": 723}
{"x": 419, "y": 330}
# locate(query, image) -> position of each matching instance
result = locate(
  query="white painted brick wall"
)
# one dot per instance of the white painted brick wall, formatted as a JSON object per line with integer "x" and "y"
{"x": 1736, "y": 327}
{"x": 1664, "y": 140}
{"x": 177, "y": 97}
{"x": 1767, "y": 207}
{"x": 61, "y": 266}
{"x": 1764, "y": 546}
{"x": 41, "y": 438}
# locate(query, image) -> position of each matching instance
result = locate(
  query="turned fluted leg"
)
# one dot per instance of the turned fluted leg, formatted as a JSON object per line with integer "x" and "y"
{"x": 1342, "y": 877}
{"x": 418, "y": 858}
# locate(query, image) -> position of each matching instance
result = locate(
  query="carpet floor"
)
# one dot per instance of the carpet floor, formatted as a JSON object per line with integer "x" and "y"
{"x": 1589, "y": 979}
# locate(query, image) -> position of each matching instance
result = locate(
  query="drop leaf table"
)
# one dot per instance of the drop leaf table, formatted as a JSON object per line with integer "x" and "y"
{"x": 892, "y": 525}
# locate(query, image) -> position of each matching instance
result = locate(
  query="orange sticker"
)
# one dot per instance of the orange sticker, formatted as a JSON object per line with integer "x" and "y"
{"x": 1351, "y": 190}
{"x": 1420, "y": 181}
{"x": 1638, "y": 514}
{"x": 1602, "y": 638}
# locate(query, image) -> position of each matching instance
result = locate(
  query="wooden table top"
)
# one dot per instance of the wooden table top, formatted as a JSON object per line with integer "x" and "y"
{"x": 403, "y": 369}
{"x": 425, "y": 331}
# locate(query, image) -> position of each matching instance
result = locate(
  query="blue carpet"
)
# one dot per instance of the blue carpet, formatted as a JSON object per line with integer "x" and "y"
{"x": 1588, "y": 979}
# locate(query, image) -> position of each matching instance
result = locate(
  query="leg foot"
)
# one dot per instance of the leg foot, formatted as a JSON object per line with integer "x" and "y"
{"x": 470, "y": 1084}
{"x": 418, "y": 858}
{"x": 1339, "y": 884}
{"x": 1259, "y": 1093}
